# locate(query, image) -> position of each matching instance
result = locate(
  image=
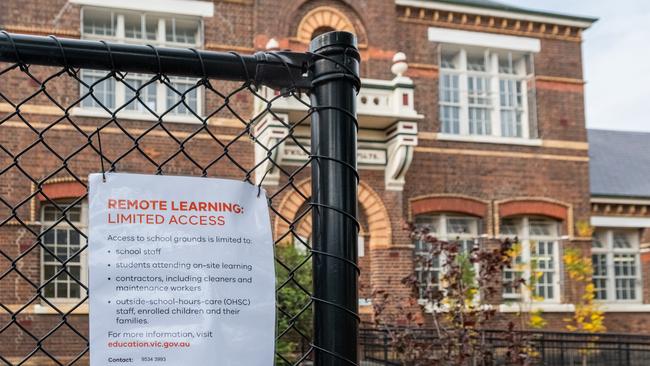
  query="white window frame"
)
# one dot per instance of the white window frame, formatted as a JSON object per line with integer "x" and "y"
{"x": 494, "y": 76}
{"x": 83, "y": 259}
{"x": 609, "y": 251}
{"x": 120, "y": 90}
{"x": 443, "y": 234}
{"x": 526, "y": 240}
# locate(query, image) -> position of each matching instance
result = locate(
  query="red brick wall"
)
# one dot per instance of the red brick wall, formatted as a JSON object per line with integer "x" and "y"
{"x": 487, "y": 172}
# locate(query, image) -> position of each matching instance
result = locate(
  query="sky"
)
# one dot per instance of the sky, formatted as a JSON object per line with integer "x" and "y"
{"x": 616, "y": 58}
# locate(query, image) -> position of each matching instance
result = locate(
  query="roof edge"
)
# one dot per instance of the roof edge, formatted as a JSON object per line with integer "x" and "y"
{"x": 505, "y": 11}
{"x": 596, "y": 196}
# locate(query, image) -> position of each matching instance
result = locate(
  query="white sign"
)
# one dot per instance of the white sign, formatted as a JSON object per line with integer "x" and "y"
{"x": 181, "y": 272}
{"x": 364, "y": 156}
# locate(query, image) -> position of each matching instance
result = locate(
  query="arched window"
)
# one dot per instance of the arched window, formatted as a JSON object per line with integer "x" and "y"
{"x": 62, "y": 241}
{"x": 537, "y": 260}
{"x": 447, "y": 227}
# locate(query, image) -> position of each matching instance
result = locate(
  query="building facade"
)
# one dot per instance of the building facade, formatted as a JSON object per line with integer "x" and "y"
{"x": 471, "y": 123}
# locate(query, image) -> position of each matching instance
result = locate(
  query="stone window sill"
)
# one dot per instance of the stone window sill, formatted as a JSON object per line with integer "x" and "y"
{"x": 490, "y": 139}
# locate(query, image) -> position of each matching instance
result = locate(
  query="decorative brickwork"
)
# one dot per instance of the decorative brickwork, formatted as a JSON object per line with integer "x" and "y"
{"x": 377, "y": 219}
{"x": 62, "y": 190}
{"x": 324, "y": 17}
{"x": 437, "y": 203}
{"x": 536, "y": 207}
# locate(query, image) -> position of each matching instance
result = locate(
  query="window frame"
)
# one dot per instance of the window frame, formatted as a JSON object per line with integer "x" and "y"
{"x": 610, "y": 252}
{"x": 442, "y": 233}
{"x": 120, "y": 90}
{"x": 82, "y": 225}
{"x": 526, "y": 239}
{"x": 494, "y": 76}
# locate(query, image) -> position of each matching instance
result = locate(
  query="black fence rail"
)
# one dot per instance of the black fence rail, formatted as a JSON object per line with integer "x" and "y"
{"x": 73, "y": 107}
{"x": 379, "y": 347}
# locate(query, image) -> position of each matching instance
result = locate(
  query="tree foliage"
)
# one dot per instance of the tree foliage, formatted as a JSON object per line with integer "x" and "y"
{"x": 293, "y": 276}
{"x": 458, "y": 302}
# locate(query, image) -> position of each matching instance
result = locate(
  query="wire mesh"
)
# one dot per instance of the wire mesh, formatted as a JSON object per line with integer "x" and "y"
{"x": 59, "y": 123}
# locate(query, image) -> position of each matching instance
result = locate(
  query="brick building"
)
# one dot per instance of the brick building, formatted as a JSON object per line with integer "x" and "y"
{"x": 471, "y": 122}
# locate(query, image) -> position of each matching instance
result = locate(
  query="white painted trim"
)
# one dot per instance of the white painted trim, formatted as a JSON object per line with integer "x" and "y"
{"x": 624, "y": 308}
{"x": 486, "y": 40}
{"x": 387, "y": 83}
{"x": 616, "y": 200}
{"x": 567, "y": 308}
{"x": 526, "y": 307}
{"x": 620, "y": 222}
{"x": 136, "y": 116}
{"x": 493, "y": 12}
{"x": 489, "y": 139}
{"x": 177, "y": 7}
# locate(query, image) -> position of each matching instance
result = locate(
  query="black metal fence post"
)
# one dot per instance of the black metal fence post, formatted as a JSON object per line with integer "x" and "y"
{"x": 334, "y": 198}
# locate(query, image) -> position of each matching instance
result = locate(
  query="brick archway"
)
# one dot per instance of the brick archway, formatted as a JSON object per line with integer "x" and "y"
{"x": 61, "y": 189}
{"x": 378, "y": 220}
{"x": 323, "y": 17}
{"x": 538, "y": 206}
{"x": 452, "y": 203}
{"x": 449, "y": 203}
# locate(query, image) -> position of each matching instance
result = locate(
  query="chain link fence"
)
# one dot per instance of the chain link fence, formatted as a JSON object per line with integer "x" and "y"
{"x": 69, "y": 108}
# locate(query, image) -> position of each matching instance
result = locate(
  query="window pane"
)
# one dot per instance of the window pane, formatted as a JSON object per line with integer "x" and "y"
{"x": 133, "y": 26}
{"x": 61, "y": 236}
{"x": 74, "y": 238}
{"x": 425, "y": 222}
{"x": 599, "y": 277}
{"x": 65, "y": 242}
{"x": 479, "y": 105}
{"x": 48, "y": 237}
{"x": 151, "y": 27}
{"x": 447, "y": 61}
{"x": 543, "y": 254}
{"x": 429, "y": 222}
{"x": 75, "y": 271}
{"x": 428, "y": 280}
{"x": 450, "y": 103}
{"x": 181, "y": 31}
{"x": 625, "y": 275}
{"x": 599, "y": 239}
{"x": 511, "y": 100}
{"x": 62, "y": 289}
{"x": 506, "y": 64}
{"x": 182, "y": 86}
{"x": 542, "y": 228}
{"x": 49, "y": 290}
{"x": 74, "y": 214}
{"x": 103, "y": 91}
{"x": 476, "y": 63}
{"x": 466, "y": 245}
{"x": 479, "y": 121}
{"x": 98, "y": 22}
{"x": 511, "y": 282}
{"x": 75, "y": 290}
{"x": 509, "y": 228}
{"x": 49, "y": 213}
{"x": 450, "y": 117}
{"x": 460, "y": 226}
{"x": 622, "y": 241}
{"x": 48, "y": 271}
{"x": 145, "y": 95}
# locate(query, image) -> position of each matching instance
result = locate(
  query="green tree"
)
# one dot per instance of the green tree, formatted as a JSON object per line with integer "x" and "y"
{"x": 293, "y": 277}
